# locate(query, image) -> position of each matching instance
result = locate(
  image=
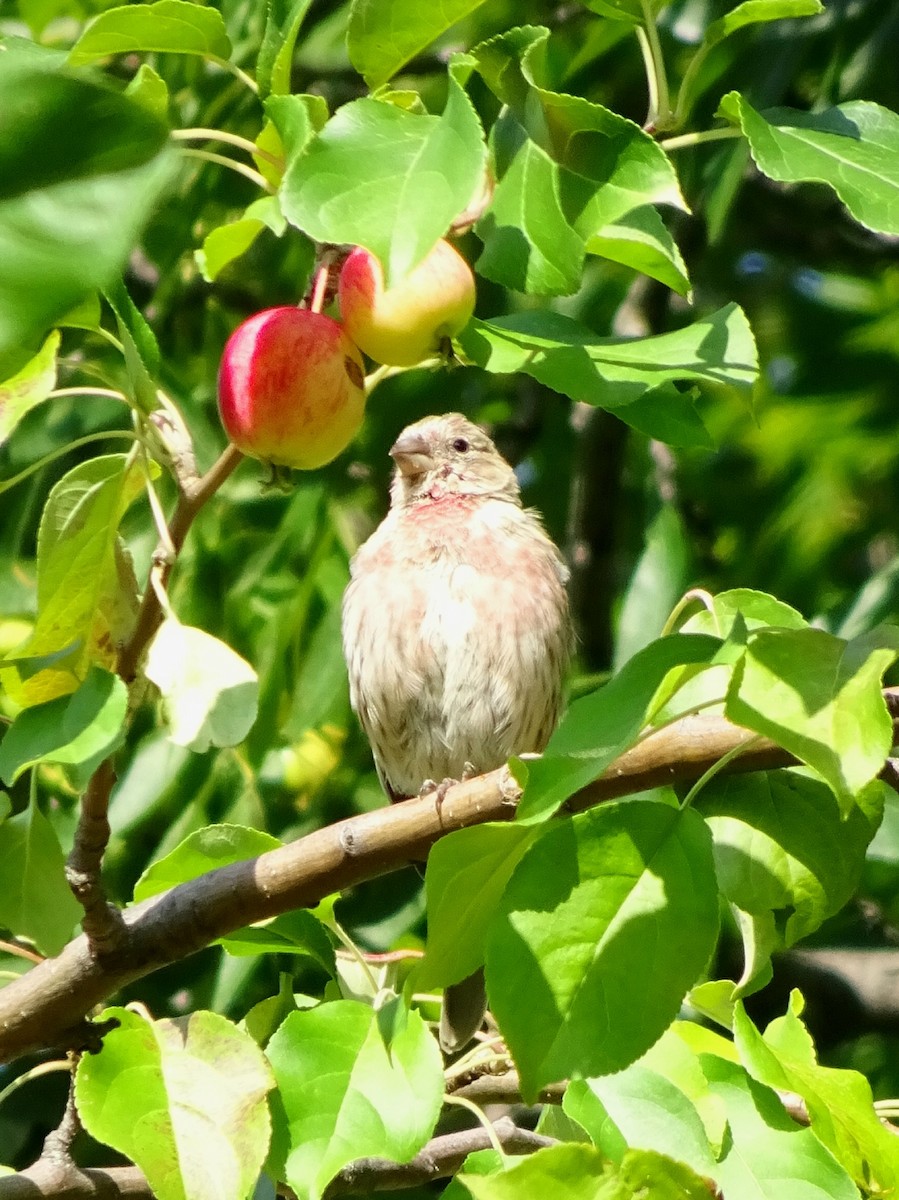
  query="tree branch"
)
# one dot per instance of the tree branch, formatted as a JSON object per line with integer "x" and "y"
{"x": 49, "y": 1003}
{"x": 442, "y": 1156}
{"x": 102, "y": 924}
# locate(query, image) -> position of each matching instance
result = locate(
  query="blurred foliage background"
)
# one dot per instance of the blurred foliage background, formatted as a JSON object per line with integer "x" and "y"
{"x": 797, "y": 497}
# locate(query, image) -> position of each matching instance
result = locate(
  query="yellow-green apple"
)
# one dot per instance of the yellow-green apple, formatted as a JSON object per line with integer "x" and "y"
{"x": 405, "y": 323}
{"x": 291, "y": 387}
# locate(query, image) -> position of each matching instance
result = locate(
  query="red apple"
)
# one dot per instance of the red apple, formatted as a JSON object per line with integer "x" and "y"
{"x": 291, "y": 387}
{"x": 407, "y": 322}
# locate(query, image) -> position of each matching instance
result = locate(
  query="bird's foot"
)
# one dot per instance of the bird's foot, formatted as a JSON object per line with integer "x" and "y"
{"x": 439, "y": 790}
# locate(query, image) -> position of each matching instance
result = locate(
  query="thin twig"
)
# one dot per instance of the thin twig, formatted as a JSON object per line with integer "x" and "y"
{"x": 102, "y": 922}
{"x": 194, "y": 495}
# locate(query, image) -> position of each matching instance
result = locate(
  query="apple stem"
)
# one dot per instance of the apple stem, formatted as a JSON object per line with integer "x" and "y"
{"x": 320, "y": 287}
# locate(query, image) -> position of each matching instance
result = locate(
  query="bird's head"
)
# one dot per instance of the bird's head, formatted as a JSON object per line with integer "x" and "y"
{"x": 448, "y": 455}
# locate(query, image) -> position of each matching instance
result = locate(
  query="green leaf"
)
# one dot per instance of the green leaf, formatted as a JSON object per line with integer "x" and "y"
{"x": 150, "y": 91}
{"x": 853, "y": 148}
{"x": 73, "y": 197}
{"x": 86, "y": 590}
{"x": 640, "y": 239}
{"x": 35, "y": 900}
{"x": 466, "y": 875}
{"x": 733, "y": 613}
{"x": 819, "y": 697}
{"x": 579, "y": 1172}
{"x": 529, "y": 243}
{"x": 375, "y": 1103}
{"x": 640, "y": 1109}
{"x": 142, "y": 357}
{"x": 184, "y": 1099}
{"x": 567, "y": 171}
{"x": 28, "y": 387}
{"x": 112, "y": 134}
{"x": 572, "y": 1172}
{"x": 168, "y": 26}
{"x": 283, "y": 19}
{"x": 387, "y": 179}
{"x": 675, "y": 1056}
{"x": 202, "y": 851}
{"x": 839, "y": 1103}
{"x": 383, "y": 35}
{"x": 658, "y": 580}
{"x": 632, "y": 11}
{"x": 782, "y": 846}
{"x": 767, "y": 1156}
{"x": 598, "y": 727}
{"x": 613, "y": 372}
{"x": 222, "y": 245}
{"x": 668, "y": 414}
{"x": 296, "y": 932}
{"x": 752, "y": 12}
{"x": 210, "y": 694}
{"x": 79, "y": 730}
{"x": 616, "y": 902}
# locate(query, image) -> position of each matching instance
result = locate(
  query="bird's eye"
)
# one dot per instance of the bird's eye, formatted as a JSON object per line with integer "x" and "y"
{"x": 460, "y": 445}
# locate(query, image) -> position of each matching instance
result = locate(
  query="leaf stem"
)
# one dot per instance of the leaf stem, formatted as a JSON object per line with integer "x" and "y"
{"x": 44, "y": 1068}
{"x": 236, "y": 71}
{"x": 697, "y": 139}
{"x": 6, "y": 484}
{"x": 111, "y": 393}
{"x": 20, "y": 951}
{"x": 716, "y": 767}
{"x": 659, "y": 115}
{"x": 699, "y": 595}
{"x": 222, "y": 135}
{"x": 222, "y": 161}
{"x": 194, "y": 495}
{"x": 482, "y": 1117}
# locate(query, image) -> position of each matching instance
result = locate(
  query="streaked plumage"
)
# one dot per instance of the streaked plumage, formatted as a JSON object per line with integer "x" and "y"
{"x": 455, "y": 622}
{"x": 455, "y": 630}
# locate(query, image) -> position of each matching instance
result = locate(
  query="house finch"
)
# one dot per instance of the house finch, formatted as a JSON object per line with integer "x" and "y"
{"x": 455, "y": 628}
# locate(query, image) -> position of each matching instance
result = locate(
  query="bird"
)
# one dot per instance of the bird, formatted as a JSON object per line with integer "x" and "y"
{"x": 456, "y": 630}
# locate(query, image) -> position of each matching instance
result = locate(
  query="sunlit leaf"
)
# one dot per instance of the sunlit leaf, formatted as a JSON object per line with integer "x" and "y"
{"x": 283, "y": 19}
{"x": 612, "y": 372}
{"x": 782, "y": 846}
{"x": 73, "y": 196}
{"x": 376, "y": 1103}
{"x": 839, "y": 1102}
{"x": 616, "y": 902}
{"x": 819, "y": 697}
{"x": 383, "y": 35}
{"x": 767, "y": 1155}
{"x": 86, "y": 589}
{"x": 184, "y": 1099}
{"x": 598, "y": 727}
{"x": 168, "y": 26}
{"x": 28, "y": 387}
{"x": 205, "y": 850}
{"x": 79, "y": 730}
{"x": 209, "y": 692}
{"x": 384, "y": 178}
{"x": 853, "y": 148}
{"x": 466, "y": 875}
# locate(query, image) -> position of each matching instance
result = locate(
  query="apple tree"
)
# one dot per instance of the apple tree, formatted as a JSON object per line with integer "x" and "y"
{"x": 652, "y": 246}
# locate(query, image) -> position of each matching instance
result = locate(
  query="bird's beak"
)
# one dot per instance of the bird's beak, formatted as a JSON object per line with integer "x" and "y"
{"x": 412, "y": 454}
